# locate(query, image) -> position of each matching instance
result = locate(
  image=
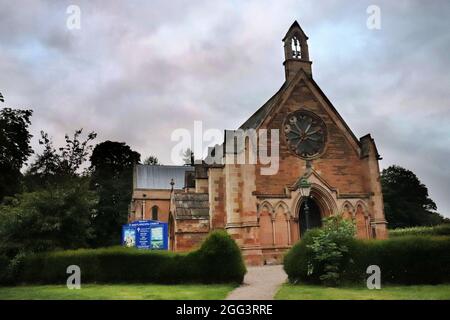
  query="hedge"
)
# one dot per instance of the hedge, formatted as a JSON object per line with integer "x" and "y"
{"x": 218, "y": 260}
{"x": 439, "y": 230}
{"x": 403, "y": 260}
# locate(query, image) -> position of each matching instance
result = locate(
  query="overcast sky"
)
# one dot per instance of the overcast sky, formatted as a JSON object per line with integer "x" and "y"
{"x": 137, "y": 70}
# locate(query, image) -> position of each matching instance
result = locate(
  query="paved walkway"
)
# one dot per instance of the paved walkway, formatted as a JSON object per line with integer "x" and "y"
{"x": 260, "y": 283}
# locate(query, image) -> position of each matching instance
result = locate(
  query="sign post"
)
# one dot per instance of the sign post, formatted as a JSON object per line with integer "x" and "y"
{"x": 146, "y": 234}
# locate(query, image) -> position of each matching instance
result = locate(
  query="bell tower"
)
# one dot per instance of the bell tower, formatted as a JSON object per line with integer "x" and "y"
{"x": 296, "y": 53}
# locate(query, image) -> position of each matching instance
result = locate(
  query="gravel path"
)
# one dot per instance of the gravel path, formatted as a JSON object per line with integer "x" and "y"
{"x": 260, "y": 283}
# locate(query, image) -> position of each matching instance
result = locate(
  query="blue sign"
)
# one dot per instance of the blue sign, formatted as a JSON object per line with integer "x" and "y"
{"x": 146, "y": 234}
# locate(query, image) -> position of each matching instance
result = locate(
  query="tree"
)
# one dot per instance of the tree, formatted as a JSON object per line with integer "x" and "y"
{"x": 47, "y": 219}
{"x": 406, "y": 200}
{"x": 14, "y": 148}
{"x": 151, "y": 160}
{"x": 188, "y": 157}
{"x": 112, "y": 178}
{"x": 55, "y": 166}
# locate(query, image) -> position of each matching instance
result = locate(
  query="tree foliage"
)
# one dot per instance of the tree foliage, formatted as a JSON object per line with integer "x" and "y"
{"x": 54, "y": 166}
{"x": 47, "y": 219}
{"x": 329, "y": 247}
{"x": 406, "y": 199}
{"x": 152, "y": 161}
{"x": 14, "y": 148}
{"x": 112, "y": 178}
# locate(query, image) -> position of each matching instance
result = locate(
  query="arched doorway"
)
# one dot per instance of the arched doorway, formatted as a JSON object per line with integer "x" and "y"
{"x": 309, "y": 215}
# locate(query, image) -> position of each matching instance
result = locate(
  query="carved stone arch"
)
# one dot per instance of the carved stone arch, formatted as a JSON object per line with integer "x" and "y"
{"x": 266, "y": 223}
{"x": 363, "y": 206}
{"x": 284, "y": 206}
{"x": 323, "y": 198}
{"x": 362, "y": 220}
{"x": 347, "y": 208}
{"x": 266, "y": 205}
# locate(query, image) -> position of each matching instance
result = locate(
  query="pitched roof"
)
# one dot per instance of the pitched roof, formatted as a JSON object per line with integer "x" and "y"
{"x": 261, "y": 114}
{"x": 258, "y": 117}
{"x": 191, "y": 205}
{"x": 159, "y": 177}
{"x": 294, "y": 26}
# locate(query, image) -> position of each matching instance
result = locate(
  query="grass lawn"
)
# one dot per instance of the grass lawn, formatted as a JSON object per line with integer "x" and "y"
{"x": 116, "y": 291}
{"x": 312, "y": 292}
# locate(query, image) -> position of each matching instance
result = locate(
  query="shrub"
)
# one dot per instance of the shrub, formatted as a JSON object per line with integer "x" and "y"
{"x": 325, "y": 252}
{"x": 218, "y": 260}
{"x": 4, "y": 263}
{"x": 440, "y": 230}
{"x": 403, "y": 260}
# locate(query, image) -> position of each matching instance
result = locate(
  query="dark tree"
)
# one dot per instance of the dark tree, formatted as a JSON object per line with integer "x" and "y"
{"x": 112, "y": 177}
{"x": 14, "y": 148}
{"x": 406, "y": 200}
{"x": 57, "y": 166}
{"x": 151, "y": 160}
{"x": 47, "y": 219}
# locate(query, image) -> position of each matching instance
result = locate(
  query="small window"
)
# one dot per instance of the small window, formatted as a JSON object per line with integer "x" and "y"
{"x": 154, "y": 213}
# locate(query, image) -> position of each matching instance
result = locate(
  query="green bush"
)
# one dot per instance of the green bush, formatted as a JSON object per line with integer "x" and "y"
{"x": 403, "y": 260}
{"x": 440, "y": 230}
{"x": 324, "y": 252}
{"x": 4, "y": 263}
{"x": 218, "y": 260}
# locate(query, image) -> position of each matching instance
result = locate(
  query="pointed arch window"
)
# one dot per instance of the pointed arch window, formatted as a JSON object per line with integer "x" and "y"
{"x": 155, "y": 213}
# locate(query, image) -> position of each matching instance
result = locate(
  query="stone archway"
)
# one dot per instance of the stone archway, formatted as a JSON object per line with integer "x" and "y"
{"x": 310, "y": 215}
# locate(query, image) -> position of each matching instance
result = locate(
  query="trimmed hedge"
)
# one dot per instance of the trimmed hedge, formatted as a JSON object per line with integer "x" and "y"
{"x": 440, "y": 230}
{"x": 403, "y": 260}
{"x": 218, "y": 260}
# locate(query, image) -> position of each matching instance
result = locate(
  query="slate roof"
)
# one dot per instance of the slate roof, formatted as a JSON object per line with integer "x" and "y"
{"x": 191, "y": 205}
{"x": 159, "y": 177}
{"x": 258, "y": 117}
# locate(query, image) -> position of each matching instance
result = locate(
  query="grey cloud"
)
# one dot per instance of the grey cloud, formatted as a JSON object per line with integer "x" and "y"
{"x": 138, "y": 70}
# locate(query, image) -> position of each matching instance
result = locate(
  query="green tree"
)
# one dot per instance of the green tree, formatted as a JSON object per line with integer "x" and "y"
{"x": 57, "y": 166}
{"x": 406, "y": 199}
{"x": 14, "y": 148}
{"x": 47, "y": 219}
{"x": 112, "y": 178}
{"x": 329, "y": 249}
{"x": 152, "y": 161}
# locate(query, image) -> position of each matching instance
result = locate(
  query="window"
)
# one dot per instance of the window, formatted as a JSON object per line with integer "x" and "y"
{"x": 154, "y": 213}
{"x": 296, "y": 48}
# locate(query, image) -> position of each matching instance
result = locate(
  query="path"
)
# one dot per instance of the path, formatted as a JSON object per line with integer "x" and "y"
{"x": 260, "y": 283}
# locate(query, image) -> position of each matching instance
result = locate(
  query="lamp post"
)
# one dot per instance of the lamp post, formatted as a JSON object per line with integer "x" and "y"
{"x": 305, "y": 190}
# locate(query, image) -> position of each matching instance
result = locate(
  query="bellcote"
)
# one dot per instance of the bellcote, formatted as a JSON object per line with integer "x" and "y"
{"x": 296, "y": 52}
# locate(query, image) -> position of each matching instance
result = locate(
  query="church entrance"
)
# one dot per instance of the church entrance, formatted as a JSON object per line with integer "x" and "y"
{"x": 309, "y": 215}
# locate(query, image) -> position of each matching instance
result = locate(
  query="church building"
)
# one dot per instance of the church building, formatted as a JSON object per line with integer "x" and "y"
{"x": 323, "y": 170}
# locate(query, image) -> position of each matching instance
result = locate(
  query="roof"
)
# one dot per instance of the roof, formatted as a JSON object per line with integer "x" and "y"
{"x": 295, "y": 26}
{"x": 159, "y": 177}
{"x": 191, "y": 205}
{"x": 261, "y": 114}
{"x": 258, "y": 117}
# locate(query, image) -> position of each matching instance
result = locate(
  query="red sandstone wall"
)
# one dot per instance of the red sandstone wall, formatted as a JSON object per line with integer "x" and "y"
{"x": 340, "y": 165}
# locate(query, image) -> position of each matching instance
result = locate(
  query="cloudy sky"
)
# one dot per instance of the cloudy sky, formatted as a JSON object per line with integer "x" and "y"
{"x": 137, "y": 70}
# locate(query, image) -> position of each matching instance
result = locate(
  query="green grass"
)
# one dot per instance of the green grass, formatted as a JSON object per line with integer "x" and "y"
{"x": 117, "y": 292}
{"x": 313, "y": 292}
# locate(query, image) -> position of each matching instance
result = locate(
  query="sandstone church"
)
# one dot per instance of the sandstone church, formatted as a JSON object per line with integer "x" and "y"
{"x": 324, "y": 169}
